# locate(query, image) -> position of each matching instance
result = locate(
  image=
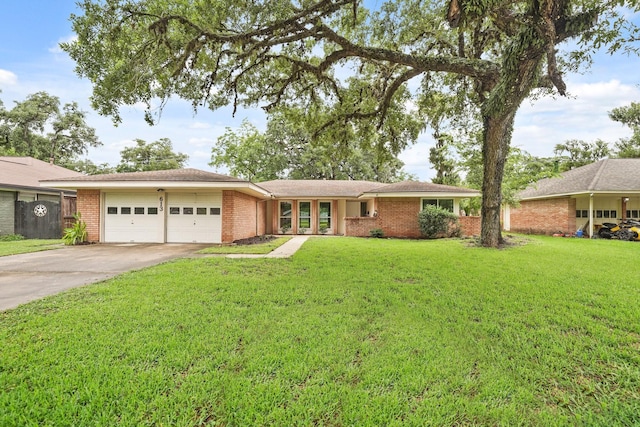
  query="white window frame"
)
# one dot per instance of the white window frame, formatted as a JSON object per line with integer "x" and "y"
{"x": 453, "y": 203}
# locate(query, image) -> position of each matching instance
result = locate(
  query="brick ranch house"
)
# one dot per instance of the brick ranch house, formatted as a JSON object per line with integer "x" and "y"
{"x": 190, "y": 205}
{"x": 582, "y": 198}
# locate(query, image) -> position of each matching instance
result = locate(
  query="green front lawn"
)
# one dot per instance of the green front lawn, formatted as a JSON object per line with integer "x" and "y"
{"x": 24, "y": 246}
{"x": 256, "y": 248}
{"x": 347, "y": 332}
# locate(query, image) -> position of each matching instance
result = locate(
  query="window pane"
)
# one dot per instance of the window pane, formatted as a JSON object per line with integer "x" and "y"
{"x": 325, "y": 209}
{"x": 112, "y": 210}
{"x": 174, "y": 210}
{"x": 305, "y": 209}
{"x": 578, "y": 213}
{"x": 152, "y": 211}
{"x": 585, "y": 213}
{"x": 285, "y": 209}
{"x": 138, "y": 211}
{"x": 125, "y": 211}
{"x": 285, "y": 222}
{"x": 201, "y": 211}
{"x": 187, "y": 211}
{"x": 304, "y": 223}
{"x": 215, "y": 211}
{"x": 446, "y": 204}
{"x": 427, "y": 202}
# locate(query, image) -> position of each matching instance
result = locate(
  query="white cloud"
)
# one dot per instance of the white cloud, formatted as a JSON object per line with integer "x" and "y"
{"x": 7, "y": 78}
{"x": 543, "y": 124}
{"x": 69, "y": 39}
{"x": 201, "y": 142}
{"x": 199, "y": 125}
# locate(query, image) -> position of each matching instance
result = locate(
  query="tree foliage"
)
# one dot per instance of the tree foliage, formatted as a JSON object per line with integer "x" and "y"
{"x": 287, "y": 149}
{"x": 629, "y": 116}
{"x": 158, "y": 155}
{"x": 489, "y": 54}
{"x": 37, "y": 127}
{"x": 434, "y": 221}
{"x": 575, "y": 153}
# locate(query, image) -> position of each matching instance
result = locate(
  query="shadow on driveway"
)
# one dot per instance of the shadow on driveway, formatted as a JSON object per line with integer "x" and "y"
{"x": 31, "y": 276}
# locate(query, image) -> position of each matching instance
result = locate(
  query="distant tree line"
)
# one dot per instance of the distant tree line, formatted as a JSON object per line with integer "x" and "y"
{"x": 40, "y": 127}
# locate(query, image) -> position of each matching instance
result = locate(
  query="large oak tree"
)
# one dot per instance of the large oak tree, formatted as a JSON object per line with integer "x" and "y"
{"x": 365, "y": 63}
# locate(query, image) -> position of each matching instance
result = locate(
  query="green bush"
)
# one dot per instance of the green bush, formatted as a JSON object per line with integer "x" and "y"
{"x": 77, "y": 233}
{"x": 11, "y": 237}
{"x": 376, "y": 232}
{"x": 323, "y": 229}
{"x": 437, "y": 222}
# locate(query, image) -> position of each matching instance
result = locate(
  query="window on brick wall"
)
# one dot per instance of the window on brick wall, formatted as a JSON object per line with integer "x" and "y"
{"x": 285, "y": 214}
{"x": 304, "y": 215}
{"x": 324, "y": 219}
{"x": 441, "y": 203}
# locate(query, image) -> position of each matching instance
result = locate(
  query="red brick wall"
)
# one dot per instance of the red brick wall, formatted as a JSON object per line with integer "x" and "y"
{"x": 544, "y": 216}
{"x": 398, "y": 217}
{"x": 242, "y": 216}
{"x": 88, "y": 204}
{"x": 470, "y": 225}
{"x": 360, "y": 226}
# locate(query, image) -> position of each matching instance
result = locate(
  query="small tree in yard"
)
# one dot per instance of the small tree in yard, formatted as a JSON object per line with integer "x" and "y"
{"x": 435, "y": 221}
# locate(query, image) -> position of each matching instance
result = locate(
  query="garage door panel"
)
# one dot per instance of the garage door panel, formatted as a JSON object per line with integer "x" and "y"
{"x": 133, "y": 217}
{"x": 194, "y": 217}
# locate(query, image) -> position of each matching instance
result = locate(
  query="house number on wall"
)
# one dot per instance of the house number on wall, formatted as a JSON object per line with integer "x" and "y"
{"x": 40, "y": 210}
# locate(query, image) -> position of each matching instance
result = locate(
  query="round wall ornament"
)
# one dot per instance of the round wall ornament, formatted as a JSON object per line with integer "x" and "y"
{"x": 40, "y": 210}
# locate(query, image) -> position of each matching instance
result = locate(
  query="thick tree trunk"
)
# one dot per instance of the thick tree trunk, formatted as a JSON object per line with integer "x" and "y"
{"x": 495, "y": 148}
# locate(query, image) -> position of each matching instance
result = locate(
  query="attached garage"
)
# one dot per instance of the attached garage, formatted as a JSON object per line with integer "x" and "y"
{"x": 173, "y": 206}
{"x": 133, "y": 217}
{"x": 194, "y": 217}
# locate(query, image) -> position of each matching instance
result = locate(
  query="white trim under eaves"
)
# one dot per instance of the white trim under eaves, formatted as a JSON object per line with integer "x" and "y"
{"x": 246, "y": 187}
{"x": 581, "y": 193}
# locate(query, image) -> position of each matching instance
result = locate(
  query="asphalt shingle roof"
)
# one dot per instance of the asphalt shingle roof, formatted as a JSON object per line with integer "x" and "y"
{"x": 420, "y": 187}
{"x": 283, "y": 188}
{"x": 174, "y": 175}
{"x": 27, "y": 172}
{"x": 602, "y": 176}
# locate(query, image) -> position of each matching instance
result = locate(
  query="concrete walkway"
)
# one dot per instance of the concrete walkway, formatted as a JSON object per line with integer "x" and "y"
{"x": 284, "y": 251}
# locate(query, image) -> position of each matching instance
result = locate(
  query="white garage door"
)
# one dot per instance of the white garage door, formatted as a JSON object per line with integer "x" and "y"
{"x": 133, "y": 217}
{"x": 194, "y": 217}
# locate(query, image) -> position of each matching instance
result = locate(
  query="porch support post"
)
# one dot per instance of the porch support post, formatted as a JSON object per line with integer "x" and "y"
{"x": 624, "y": 208}
{"x": 591, "y": 225}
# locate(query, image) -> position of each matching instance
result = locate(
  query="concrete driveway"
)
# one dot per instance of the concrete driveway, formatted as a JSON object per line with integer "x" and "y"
{"x": 31, "y": 276}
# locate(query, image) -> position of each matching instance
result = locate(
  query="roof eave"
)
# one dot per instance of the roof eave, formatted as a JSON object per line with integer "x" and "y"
{"x": 580, "y": 193}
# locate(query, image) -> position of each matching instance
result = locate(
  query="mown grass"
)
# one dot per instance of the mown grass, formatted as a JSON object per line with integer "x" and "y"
{"x": 257, "y": 248}
{"x": 348, "y": 332}
{"x": 30, "y": 245}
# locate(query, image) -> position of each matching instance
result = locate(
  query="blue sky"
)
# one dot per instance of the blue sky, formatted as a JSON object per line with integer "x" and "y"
{"x": 30, "y": 61}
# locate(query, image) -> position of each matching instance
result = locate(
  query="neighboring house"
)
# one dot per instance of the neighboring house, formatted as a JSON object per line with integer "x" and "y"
{"x": 190, "y": 205}
{"x": 21, "y": 193}
{"x": 582, "y": 198}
